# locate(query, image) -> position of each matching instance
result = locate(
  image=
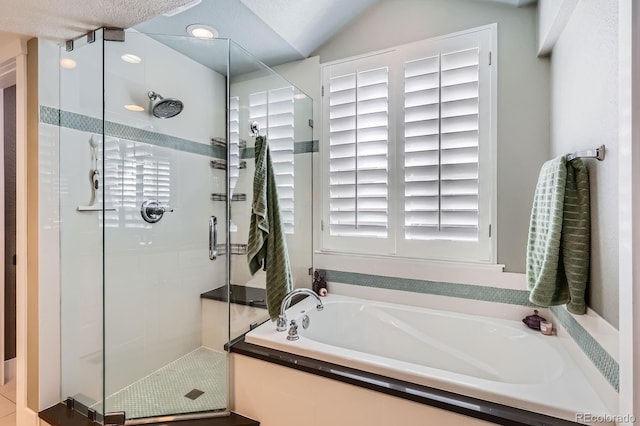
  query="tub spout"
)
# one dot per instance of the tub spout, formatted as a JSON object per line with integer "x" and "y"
{"x": 281, "y": 324}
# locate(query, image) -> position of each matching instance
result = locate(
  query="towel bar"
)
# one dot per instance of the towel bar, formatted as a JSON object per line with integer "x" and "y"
{"x": 597, "y": 153}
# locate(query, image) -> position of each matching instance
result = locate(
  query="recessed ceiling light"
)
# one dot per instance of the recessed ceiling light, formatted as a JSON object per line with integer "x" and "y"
{"x": 299, "y": 96}
{"x": 68, "y": 63}
{"x": 202, "y": 31}
{"x": 132, "y": 107}
{"x": 131, "y": 58}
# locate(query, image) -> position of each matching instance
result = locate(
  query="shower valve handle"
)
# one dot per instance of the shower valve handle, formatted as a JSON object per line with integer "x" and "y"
{"x": 152, "y": 211}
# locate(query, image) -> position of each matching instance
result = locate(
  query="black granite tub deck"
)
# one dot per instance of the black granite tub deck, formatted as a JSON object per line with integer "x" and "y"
{"x": 461, "y": 404}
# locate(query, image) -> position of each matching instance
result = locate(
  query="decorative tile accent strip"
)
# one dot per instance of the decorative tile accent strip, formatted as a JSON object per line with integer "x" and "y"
{"x": 80, "y": 122}
{"x": 596, "y": 353}
{"x": 140, "y": 135}
{"x": 49, "y": 115}
{"x": 246, "y": 153}
{"x": 86, "y": 123}
{"x": 303, "y": 147}
{"x": 464, "y": 291}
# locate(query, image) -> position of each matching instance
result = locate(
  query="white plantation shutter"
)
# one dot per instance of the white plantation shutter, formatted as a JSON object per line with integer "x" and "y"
{"x": 234, "y": 143}
{"x": 438, "y": 140}
{"x": 421, "y": 156}
{"x": 273, "y": 110}
{"x": 358, "y": 144}
{"x": 441, "y": 146}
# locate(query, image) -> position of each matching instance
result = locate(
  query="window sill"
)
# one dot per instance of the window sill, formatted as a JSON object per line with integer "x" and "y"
{"x": 431, "y": 262}
{"x": 481, "y": 274}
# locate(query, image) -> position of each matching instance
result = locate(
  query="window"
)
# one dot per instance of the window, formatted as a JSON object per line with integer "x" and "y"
{"x": 273, "y": 110}
{"x": 408, "y": 150}
{"x": 358, "y": 145}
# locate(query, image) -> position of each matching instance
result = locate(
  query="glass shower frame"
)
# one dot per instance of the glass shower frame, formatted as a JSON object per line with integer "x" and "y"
{"x": 91, "y": 113}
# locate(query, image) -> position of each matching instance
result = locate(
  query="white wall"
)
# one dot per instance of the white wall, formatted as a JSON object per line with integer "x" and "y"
{"x": 523, "y": 102}
{"x": 584, "y": 114}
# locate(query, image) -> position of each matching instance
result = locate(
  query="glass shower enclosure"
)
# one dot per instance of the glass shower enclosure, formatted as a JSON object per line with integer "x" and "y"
{"x": 153, "y": 153}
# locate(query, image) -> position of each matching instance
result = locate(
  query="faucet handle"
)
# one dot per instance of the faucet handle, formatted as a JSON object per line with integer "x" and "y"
{"x": 281, "y": 324}
{"x": 293, "y": 331}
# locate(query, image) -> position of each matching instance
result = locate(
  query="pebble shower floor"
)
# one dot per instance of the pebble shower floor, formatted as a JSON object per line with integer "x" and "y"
{"x": 170, "y": 389}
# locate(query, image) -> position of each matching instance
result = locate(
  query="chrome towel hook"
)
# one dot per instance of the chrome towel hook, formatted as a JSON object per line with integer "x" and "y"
{"x": 254, "y": 128}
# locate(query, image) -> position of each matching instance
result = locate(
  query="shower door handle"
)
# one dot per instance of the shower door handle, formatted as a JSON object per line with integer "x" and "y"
{"x": 213, "y": 237}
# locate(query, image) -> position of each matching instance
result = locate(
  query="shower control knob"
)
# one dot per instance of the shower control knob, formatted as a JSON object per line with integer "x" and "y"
{"x": 152, "y": 211}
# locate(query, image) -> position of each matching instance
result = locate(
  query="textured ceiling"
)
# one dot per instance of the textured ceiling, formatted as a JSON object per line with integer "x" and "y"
{"x": 66, "y": 19}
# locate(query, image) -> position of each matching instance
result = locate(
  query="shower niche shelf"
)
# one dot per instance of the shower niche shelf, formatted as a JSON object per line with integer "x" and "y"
{"x": 222, "y": 142}
{"x": 223, "y": 197}
{"x": 236, "y": 249}
{"x": 222, "y": 164}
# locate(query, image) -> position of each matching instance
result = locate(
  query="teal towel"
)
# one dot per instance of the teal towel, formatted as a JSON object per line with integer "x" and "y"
{"x": 559, "y": 233}
{"x": 267, "y": 246}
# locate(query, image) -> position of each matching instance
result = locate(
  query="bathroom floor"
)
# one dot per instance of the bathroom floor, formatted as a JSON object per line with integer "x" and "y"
{"x": 195, "y": 382}
{"x": 8, "y": 404}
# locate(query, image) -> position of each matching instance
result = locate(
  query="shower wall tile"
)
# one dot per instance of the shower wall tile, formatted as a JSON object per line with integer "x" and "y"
{"x": 154, "y": 274}
{"x": 167, "y": 72}
{"x": 80, "y": 273}
{"x": 299, "y": 244}
{"x": 49, "y": 262}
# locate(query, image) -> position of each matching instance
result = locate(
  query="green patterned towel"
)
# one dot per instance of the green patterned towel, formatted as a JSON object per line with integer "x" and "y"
{"x": 559, "y": 233}
{"x": 267, "y": 246}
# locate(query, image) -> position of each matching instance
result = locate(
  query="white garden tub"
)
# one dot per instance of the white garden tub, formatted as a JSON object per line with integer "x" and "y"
{"x": 488, "y": 358}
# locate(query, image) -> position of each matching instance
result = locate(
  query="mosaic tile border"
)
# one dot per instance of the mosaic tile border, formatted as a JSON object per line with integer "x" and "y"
{"x": 85, "y": 123}
{"x": 303, "y": 147}
{"x": 463, "y": 291}
{"x": 607, "y": 366}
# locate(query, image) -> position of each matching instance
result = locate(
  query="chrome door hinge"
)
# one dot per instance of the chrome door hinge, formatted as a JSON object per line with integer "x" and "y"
{"x": 115, "y": 418}
{"x": 322, "y": 225}
{"x": 489, "y": 230}
{"x": 311, "y": 123}
{"x": 322, "y": 91}
{"x": 113, "y": 34}
{"x": 489, "y": 57}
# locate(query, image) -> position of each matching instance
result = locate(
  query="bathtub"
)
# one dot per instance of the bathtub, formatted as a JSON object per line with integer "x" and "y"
{"x": 488, "y": 358}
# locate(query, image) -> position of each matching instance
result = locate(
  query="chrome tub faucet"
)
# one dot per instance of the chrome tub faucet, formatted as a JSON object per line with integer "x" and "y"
{"x": 281, "y": 324}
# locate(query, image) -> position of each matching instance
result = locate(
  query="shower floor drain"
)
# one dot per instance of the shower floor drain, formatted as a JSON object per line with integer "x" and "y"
{"x": 194, "y": 394}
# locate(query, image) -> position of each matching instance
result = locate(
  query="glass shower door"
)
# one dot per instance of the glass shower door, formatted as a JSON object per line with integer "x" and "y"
{"x": 165, "y": 227}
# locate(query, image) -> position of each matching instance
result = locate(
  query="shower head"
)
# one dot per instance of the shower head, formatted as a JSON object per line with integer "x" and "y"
{"x": 165, "y": 107}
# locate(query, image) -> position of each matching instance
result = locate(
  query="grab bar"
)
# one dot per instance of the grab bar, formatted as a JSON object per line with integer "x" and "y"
{"x": 213, "y": 237}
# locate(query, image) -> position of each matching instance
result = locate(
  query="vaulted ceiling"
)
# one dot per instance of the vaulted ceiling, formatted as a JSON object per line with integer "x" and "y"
{"x": 275, "y": 31}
